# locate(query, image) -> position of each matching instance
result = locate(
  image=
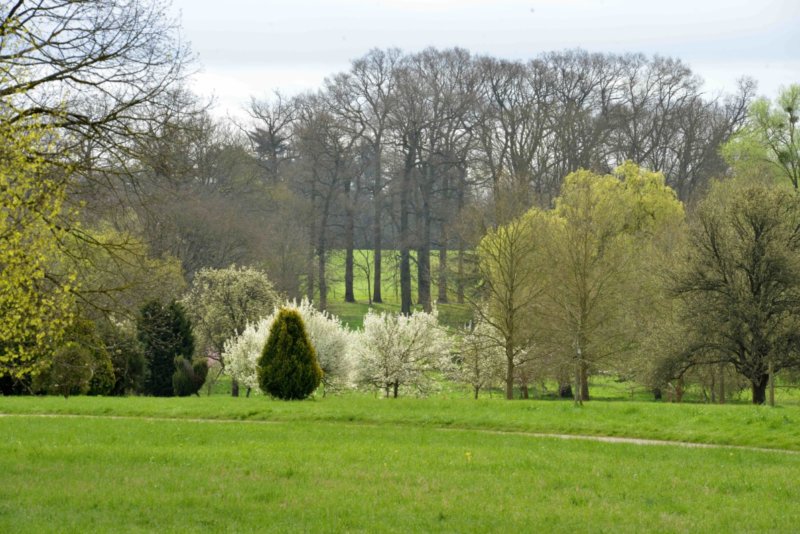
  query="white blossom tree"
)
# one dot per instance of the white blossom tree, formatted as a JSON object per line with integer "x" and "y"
{"x": 479, "y": 360}
{"x": 397, "y": 351}
{"x": 331, "y": 339}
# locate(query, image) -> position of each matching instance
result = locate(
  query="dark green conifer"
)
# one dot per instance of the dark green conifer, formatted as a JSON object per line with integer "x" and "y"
{"x": 288, "y": 367}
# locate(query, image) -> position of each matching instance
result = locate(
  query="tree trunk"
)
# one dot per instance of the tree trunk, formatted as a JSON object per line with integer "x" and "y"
{"x": 311, "y": 275}
{"x": 460, "y": 240}
{"x": 349, "y": 295}
{"x": 523, "y": 391}
{"x": 771, "y": 384}
{"x": 323, "y": 284}
{"x": 234, "y": 388}
{"x": 565, "y": 390}
{"x": 405, "y": 236}
{"x": 377, "y": 263}
{"x": 759, "y": 387}
{"x": 460, "y": 280}
{"x": 349, "y": 244}
{"x": 722, "y": 384}
{"x": 679, "y": 390}
{"x": 442, "y": 296}
{"x": 377, "y": 230}
{"x": 424, "y": 248}
{"x": 477, "y": 390}
{"x": 424, "y": 276}
{"x": 396, "y": 387}
{"x": 584, "y": 381}
{"x": 509, "y": 375}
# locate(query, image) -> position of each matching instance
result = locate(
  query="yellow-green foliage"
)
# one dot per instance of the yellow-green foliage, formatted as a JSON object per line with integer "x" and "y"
{"x": 36, "y": 299}
{"x": 575, "y": 282}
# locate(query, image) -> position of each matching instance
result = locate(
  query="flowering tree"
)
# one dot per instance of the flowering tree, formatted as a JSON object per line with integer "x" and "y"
{"x": 221, "y": 302}
{"x": 479, "y": 359}
{"x": 400, "y": 350}
{"x": 329, "y": 336}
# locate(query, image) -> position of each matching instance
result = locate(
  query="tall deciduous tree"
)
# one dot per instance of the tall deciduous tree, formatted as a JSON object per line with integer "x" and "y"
{"x": 511, "y": 258}
{"x": 741, "y": 285}
{"x": 600, "y": 233}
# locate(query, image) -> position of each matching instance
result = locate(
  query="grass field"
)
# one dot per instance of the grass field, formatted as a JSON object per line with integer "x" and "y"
{"x": 352, "y": 314}
{"x": 360, "y": 464}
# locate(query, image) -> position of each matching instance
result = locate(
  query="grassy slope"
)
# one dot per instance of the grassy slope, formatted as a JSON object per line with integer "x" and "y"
{"x": 353, "y": 313}
{"x": 103, "y": 475}
{"x": 731, "y": 425}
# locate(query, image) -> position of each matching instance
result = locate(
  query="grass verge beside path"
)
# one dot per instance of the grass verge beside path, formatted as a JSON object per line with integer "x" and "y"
{"x": 748, "y": 426}
{"x": 106, "y": 475}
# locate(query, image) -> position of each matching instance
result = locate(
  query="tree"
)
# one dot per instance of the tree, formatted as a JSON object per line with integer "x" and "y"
{"x": 221, "y": 302}
{"x": 165, "y": 333}
{"x": 740, "y": 287}
{"x": 770, "y": 139}
{"x": 600, "y": 236}
{"x": 288, "y": 367}
{"x": 36, "y": 288}
{"x": 510, "y": 264}
{"x": 332, "y": 341}
{"x": 364, "y": 97}
{"x": 116, "y": 272}
{"x": 98, "y": 69}
{"x": 479, "y": 360}
{"x": 400, "y": 351}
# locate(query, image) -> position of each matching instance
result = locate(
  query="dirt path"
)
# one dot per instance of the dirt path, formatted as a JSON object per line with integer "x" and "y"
{"x": 546, "y": 435}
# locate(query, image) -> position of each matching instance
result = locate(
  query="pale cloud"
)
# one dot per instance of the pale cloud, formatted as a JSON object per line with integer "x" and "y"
{"x": 250, "y": 48}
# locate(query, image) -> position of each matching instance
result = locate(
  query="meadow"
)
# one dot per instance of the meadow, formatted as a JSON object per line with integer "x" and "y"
{"x": 352, "y": 314}
{"x": 358, "y": 463}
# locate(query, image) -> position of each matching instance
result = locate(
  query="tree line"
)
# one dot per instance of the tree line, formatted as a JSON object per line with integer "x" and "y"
{"x": 119, "y": 186}
{"x": 407, "y": 152}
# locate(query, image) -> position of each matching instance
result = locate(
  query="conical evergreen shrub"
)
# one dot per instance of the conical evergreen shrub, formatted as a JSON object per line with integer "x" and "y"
{"x": 288, "y": 367}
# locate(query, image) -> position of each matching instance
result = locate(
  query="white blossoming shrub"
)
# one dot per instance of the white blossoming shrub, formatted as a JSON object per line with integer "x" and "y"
{"x": 397, "y": 352}
{"x": 241, "y": 352}
{"x": 331, "y": 339}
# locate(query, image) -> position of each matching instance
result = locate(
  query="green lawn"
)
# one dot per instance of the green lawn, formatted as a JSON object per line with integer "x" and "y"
{"x": 741, "y": 425}
{"x": 352, "y": 314}
{"x": 367, "y": 465}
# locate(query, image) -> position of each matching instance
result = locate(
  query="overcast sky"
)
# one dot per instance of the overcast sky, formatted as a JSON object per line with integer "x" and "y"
{"x": 250, "y": 48}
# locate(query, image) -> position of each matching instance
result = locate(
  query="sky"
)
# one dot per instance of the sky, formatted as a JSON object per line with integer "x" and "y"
{"x": 249, "y": 49}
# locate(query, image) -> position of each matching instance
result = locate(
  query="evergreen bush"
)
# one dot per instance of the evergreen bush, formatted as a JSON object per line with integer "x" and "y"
{"x": 165, "y": 333}
{"x": 189, "y": 377}
{"x": 288, "y": 367}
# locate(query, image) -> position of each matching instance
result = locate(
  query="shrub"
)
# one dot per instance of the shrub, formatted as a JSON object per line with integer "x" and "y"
{"x": 102, "y": 381}
{"x": 189, "y": 377}
{"x": 127, "y": 356}
{"x": 288, "y": 367}
{"x": 81, "y": 365}
{"x": 332, "y": 342}
{"x": 165, "y": 333}
{"x": 69, "y": 372}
